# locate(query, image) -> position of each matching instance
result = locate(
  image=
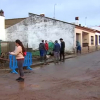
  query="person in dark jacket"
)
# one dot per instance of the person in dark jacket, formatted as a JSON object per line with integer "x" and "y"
{"x": 62, "y": 49}
{"x": 42, "y": 50}
{"x": 56, "y": 51}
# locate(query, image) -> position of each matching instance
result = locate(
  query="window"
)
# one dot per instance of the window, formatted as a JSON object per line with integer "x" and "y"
{"x": 92, "y": 40}
{"x": 99, "y": 39}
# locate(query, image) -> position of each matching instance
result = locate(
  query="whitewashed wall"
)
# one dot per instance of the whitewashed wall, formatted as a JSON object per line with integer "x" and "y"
{"x": 2, "y": 28}
{"x": 36, "y": 28}
{"x": 18, "y": 31}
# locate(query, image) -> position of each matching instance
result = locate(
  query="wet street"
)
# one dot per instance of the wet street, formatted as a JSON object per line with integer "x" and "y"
{"x": 75, "y": 79}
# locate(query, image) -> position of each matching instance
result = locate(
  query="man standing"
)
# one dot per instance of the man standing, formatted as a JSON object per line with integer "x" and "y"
{"x": 62, "y": 49}
{"x": 42, "y": 50}
{"x": 46, "y": 46}
{"x": 78, "y": 47}
{"x": 56, "y": 51}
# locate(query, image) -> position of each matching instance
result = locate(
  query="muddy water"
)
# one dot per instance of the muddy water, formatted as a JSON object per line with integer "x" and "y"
{"x": 75, "y": 79}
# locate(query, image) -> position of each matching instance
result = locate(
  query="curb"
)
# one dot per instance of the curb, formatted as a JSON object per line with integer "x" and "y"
{"x": 38, "y": 64}
{"x": 87, "y": 53}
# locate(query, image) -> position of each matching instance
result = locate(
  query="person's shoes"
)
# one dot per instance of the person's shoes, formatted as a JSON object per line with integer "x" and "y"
{"x": 21, "y": 80}
{"x": 18, "y": 79}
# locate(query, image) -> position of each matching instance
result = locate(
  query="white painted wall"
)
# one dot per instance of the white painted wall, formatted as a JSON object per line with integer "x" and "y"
{"x": 2, "y": 28}
{"x": 18, "y": 31}
{"x": 36, "y": 28}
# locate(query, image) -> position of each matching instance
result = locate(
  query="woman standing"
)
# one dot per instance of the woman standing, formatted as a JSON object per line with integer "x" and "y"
{"x": 19, "y": 53}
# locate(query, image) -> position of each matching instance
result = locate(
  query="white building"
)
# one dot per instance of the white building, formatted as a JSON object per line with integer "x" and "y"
{"x": 96, "y": 28}
{"x": 97, "y": 34}
{"x": 2, "y": 26}
{"x": 35, "y": 28}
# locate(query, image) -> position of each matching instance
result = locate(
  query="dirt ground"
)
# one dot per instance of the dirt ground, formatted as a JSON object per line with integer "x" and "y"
{"x": 75, "y": 79}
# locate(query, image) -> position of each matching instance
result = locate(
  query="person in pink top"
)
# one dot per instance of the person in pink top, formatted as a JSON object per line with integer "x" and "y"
{"x": 19, "y": 53}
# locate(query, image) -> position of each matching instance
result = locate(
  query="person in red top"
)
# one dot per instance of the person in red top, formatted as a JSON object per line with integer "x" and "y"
{"x": 46, "y": 46}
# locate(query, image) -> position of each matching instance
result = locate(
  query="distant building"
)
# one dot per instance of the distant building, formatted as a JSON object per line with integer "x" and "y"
{"x": 87, "y": 36}
{"x": 96, "y": 27}
{"x": 97, "y": 34}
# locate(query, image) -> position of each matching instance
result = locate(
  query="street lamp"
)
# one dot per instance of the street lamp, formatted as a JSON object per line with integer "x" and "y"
{"x": 54, "y": 10}
{"x": 85, "y": 21}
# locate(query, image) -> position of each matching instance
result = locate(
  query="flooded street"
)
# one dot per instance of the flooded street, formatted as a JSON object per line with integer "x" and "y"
{"x": 75, "y": 79}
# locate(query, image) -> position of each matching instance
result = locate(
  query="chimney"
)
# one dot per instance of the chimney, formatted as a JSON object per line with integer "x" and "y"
{"x": 77, "y": 20}
{"x": 1, "y": 12}
{"x": 43, "y": 15}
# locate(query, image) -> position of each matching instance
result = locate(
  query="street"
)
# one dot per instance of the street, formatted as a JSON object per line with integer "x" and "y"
{"x": 75, "y": 79}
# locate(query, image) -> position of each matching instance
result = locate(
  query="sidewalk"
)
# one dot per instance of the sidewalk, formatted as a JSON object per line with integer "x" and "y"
{"x": 37, "y": 63}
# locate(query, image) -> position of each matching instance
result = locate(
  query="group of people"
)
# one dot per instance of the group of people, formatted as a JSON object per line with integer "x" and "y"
{"x": 20, "y": 53}
{"x": 58, "y": 50}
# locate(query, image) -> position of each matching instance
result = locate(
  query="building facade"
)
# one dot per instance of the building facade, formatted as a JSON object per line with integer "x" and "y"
{"x": 85, "y": 36}
{"x": 2, "y": 28}
{"x": 97, "y": 34}
{"x": 36, "y": 28}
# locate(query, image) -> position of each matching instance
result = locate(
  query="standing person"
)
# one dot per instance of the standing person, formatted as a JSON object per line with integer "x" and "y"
{"x": 62, "y": 49}
{"x": 56, "y": 51}
{"x": 42, "y": 50}
{"x": 78, "y": 47}
{"x": 46, "y": 46}
{"x": 19, "y": 53}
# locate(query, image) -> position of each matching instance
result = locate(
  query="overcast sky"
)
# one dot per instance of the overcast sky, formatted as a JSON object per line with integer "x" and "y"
{"x": 65, "y": 10}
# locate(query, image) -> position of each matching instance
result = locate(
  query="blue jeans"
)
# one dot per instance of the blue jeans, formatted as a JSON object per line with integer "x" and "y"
{"x": 43, "y": 55}
{"x": 79, "y": 49}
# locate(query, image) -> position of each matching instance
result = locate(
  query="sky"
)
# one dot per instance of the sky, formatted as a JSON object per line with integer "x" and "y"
{"x": 88, "y": 11}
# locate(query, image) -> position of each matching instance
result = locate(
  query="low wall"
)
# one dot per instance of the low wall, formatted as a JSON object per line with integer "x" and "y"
{"x": 90, "y": 49}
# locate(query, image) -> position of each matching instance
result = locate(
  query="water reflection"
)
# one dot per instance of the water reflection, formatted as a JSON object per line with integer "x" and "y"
{"x": 21, "y": 85}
